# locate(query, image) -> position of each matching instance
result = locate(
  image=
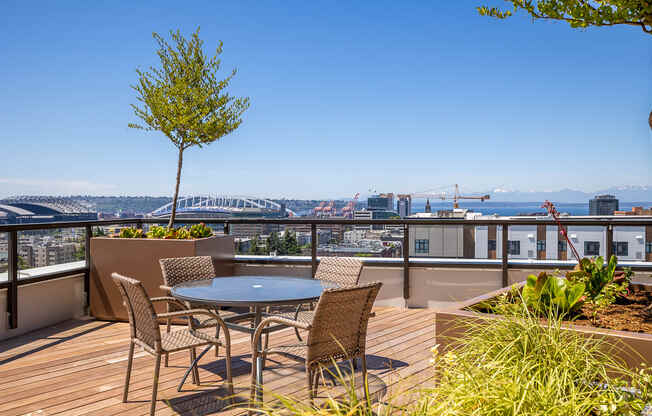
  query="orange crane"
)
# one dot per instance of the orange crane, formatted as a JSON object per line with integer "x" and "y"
{"x": 329, "y": 209}
{"x": 319, "y": 209}
{"x": 455, "y": 197}
{"x": 350, "y": 207}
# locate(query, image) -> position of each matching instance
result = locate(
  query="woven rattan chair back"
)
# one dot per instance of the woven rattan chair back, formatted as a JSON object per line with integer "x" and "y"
{"x": 185, "y": 269}
{"x": 342, "y": 270}
{"x": 142, "y": 317}
{"x": 339, "y": 328}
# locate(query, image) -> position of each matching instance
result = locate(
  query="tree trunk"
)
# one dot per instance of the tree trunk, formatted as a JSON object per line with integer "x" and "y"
{"x": 176, "y": 190}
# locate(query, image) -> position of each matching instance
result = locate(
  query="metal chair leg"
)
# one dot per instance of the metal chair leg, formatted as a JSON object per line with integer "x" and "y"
{"x": 195, "y": 371}
{"x": 365, "y": 382}
{"x": 157, "y": 369}
{"x": 309, "y": 377}
{"x": 217, "y": 336}
{"x": 128, "y": 376}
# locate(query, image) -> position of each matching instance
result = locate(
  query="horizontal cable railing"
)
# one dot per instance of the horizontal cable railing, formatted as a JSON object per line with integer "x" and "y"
{"x": 15, "y": 278}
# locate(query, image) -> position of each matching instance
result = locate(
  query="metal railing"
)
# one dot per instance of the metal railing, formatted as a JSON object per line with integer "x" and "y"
{"x": 406, "y": 262}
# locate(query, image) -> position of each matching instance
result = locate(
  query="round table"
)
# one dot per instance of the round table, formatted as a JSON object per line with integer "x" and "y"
{"x": 253, "y": 292}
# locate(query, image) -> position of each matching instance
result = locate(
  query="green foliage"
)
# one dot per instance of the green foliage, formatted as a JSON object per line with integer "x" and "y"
{"x": 157, "y": 231}
{"x": 518, "y": 366}
{"x": 200, "y": 230}
{"x": 184, "y": 98}
{"x": 131, "y": 232}
{"x": 597, "y": 276}
{"x": 274, "y": 244}
{"x": 256, "y": 247}
{"x": 290, "y": 245}
{"x": 549, "y": 294}
{"x": 582, "y": 13}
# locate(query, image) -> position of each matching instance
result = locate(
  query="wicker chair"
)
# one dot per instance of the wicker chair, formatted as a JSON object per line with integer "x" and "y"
{"x": 345, "y": 271}
{"x": 146, "y": 333}
{"x": 186, "y": 269}
{"x": 338, "y": 331}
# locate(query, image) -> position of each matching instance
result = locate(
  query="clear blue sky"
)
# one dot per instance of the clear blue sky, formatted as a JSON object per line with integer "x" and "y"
{"x": 401, "y": 96}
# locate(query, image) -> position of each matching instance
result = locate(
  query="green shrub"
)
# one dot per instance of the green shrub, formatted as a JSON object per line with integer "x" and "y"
{"x": 156, "y": 231}
{"x": 549, "y": 294}
{"x": 131, "y": 232}
{"x": 601, "y": 279}
{"x": 200, "y": 230}
{"x": 517, "y": 366}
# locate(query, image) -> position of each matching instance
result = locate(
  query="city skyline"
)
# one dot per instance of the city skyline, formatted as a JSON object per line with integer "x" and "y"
{"x": 344, "y": 98}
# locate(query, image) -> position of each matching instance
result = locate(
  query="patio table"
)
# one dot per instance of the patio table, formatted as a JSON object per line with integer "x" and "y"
{"x": 253, "y": 292}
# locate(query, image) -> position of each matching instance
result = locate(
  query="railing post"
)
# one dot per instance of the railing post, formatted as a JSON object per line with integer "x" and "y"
{"x": 12, "y": 290}
{"x": 505, "y": 254}
{"x": 610, "y": 242}
{"x": 313, "y": 248}
{"x": 406, "y": 261}
{"x": 87, "y": 274}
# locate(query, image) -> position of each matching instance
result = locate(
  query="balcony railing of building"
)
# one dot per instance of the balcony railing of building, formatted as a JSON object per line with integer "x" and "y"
{"x": 405, "y": 262}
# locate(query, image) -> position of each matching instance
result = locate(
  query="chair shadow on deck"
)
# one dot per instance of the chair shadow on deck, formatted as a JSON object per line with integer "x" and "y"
{"x": 206, "y": 402}
{"x": 48, "y": 333}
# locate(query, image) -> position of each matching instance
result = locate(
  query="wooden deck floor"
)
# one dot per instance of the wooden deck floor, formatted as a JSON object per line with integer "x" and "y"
{"x": 78, "y": 368}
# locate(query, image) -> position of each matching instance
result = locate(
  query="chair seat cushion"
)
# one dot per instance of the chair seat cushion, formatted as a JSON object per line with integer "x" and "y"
{"x": 184, "y": 339}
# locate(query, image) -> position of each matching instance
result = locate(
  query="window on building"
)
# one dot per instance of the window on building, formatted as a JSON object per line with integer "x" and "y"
{"x": 620, "y": 248}
{"x": 491, "y": 246}
{"x": 541, "y": 245}
{"x": 591, "y": 248}
{"x": 562, "y": 245}
{"x": 514, "y": 247}
{"x": 648, "y": 247}
{"x": 422, "y": 246}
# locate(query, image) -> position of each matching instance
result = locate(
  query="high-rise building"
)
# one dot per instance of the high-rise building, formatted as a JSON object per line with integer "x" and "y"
{"x": 381, "y": 202}
{"x": 603, "y": 205}
{"x": 404, "y": 205}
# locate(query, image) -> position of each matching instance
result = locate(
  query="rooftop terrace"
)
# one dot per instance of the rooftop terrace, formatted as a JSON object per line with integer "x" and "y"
{"x": 77, "y": 367}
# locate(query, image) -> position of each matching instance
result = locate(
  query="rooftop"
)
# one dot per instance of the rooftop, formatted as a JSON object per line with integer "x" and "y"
{"x": 78, "y": 367}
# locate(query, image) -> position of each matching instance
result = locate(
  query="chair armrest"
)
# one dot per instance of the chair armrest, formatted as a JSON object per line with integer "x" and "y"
{"x": 165, "y": 288}
{"x": 275, "y": 320}
{"x": 169, "y": 299}
{"x": 189, "y": 313}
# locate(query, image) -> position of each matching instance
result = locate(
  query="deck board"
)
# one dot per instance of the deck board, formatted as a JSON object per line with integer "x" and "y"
{"x": 78, "y": 368}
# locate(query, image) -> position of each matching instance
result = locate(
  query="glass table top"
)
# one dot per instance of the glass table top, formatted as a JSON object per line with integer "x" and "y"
{"x": 252, "y": 290}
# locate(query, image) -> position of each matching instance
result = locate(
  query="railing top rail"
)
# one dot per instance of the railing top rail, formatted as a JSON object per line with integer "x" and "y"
{"x": 586, "y": 221}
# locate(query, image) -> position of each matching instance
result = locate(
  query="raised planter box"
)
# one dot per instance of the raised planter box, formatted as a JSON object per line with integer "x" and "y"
{"x": 633, "y": 347}
{"x": 138, "y": 258}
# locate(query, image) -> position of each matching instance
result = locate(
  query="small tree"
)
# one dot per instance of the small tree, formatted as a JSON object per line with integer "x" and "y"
{"x": 185, "y": 100}
{"x": 582, "y": 13}
{"x": 290, "y": 243}
{"x": 274, "y": 243}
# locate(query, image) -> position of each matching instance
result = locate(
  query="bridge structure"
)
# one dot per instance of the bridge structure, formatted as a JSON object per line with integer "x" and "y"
{"x": 223, "y": 205}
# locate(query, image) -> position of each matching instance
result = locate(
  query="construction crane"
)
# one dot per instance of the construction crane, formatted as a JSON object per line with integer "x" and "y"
{"x": 455, "y": 197}
{"x": 348, "y": 209}
{"x": 319, "y": 209}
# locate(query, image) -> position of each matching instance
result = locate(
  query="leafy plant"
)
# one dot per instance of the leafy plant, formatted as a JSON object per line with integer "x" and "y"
{"x": 131, "y": 232}
{"x": 156, "y": 231}
{"x": 200, "y": 230}
{"x": 185, "y": 100}
{"x": 549, "y": 294}
{"x": 518, "y": 366}
{"x": 597, "y": 276}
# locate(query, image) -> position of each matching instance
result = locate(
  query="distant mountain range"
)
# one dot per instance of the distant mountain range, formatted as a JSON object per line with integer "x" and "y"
{"x": 623, "y": 193}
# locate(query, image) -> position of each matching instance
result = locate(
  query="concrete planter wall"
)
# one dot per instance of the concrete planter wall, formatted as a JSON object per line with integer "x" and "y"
{"x": 138, "y": 258}
{"x": 633, "y": 347}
